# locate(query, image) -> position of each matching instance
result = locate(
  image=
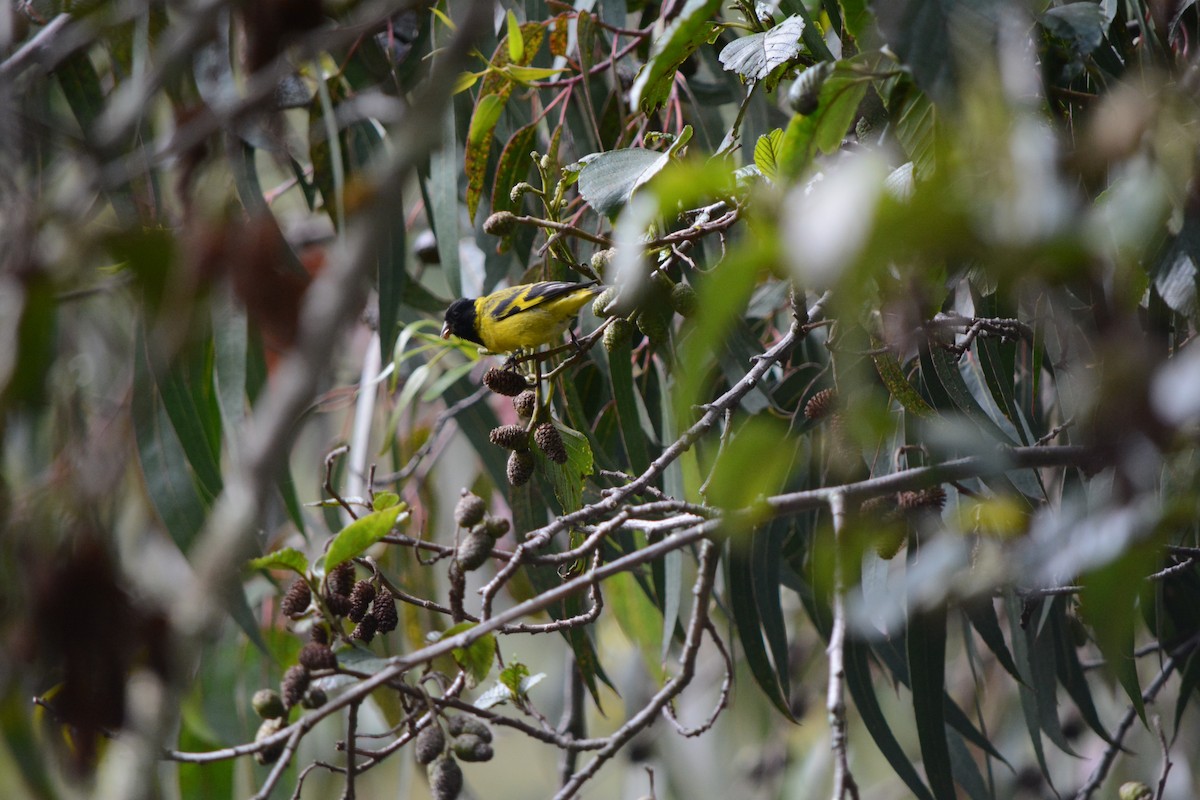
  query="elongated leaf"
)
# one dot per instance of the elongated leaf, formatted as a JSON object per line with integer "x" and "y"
{"x": 898, "y": 386}
{"x": 986, "y": 623}
{"x": 1029, "y": 705}
{"x": 749, "y": 627}
{"x": 361, "y": 534}
{"x": 925, "y": 645}
{"x": 1044, "y": 672}
{"x": 1072, "y": 677}
{"x": 766, "y": 563}
{"x": 479, "y": 145}
{"x": 862, "y": 690}
{"x": 966, "y": 771}
{"x": 514, "y": 164}
{"x": 679, "y": 40}
{"x": 620, "y": 374}
{"x": 568, "y": 479}
{"x": 638, "y": 619}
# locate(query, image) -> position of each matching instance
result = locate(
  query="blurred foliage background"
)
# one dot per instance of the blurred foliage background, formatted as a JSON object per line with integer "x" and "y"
{"x": 873, "y": 471}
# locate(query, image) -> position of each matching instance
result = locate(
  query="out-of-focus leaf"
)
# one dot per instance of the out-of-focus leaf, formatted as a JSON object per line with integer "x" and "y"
{"x": 749, "y": 626}
{"x": 361, "y": 534}
{"x": 1189, "y": 684}
{"x": 1041, "y": 648}
{"x": 202, "y": 780}
{"x": 1107, "y": 604}
{"x": 916, "y": 130}
{"x": 754, "y": 463}
{"x": 479, "y": 145}
{"x": 918, "y": 32}
{"x": 679, "y": 40}
{"x": 925, "y": 645}
{"x": 392, "y": 281}
{"x": 766, "y": 564}
{"x": 1081, "y": 25}
{"x": 862, "y": 690}
{"x": 823, "y": 130}
{"x": 441, "y": 190}
{"x": 1175, "y": 276}
{"x": 285, "y": 558}
{"x": 190, "y": 400}
{"x": 856, "y": 17}
{"x": 755, "y": 56}
{"x": 966, "y": 771}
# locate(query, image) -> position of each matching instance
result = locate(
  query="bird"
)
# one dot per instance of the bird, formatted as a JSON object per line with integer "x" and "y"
{"x": 520, "y": 317}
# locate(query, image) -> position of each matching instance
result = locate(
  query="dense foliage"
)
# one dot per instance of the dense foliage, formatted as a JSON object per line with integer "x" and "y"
{"x": 884, "y": 422}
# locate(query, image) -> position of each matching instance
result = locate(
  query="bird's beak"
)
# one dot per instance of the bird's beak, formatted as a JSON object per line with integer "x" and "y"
{"x": 446, "y": 330}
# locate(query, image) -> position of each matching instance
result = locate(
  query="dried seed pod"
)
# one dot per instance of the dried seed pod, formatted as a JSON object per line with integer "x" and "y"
{"x": 525, "y": 403}
{"x": 505, "y": 382}
{"x": 550, "y": 441}
{"x": 520, "y": 467}
{"x": 315, "y": 656}
{"x": 315, "y": 697}
{"x": 501, "y": 223}
{"x": 470, "y": 508}
{"x": 683, "y": 299}
{"x": 445, "y": 778}
{"x": 617, "y": 334}
{"x": 384, "y": 611}
{"x": 295, "y": 601}
{"x": 268, "y": 704}
{"x": 820, "y": 405}
{"x": 496, "y": 526}
{"x": 360, "y": 600}
{"x": 266, "y": 730}
{"x": 474, "y": 549}
{"x": 318, "y": 634}
{"x": 364, "y": 631}
{"x": 600, "y": 306}
{"x": 292, "y": 687}
{"x": 469, "y": 747}
{"x": 430, "y": 743}
{"x": 510, "y": 437}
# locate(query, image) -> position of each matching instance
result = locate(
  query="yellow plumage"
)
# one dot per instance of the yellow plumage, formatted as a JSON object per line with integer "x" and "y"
{"x": 518, "y": 318}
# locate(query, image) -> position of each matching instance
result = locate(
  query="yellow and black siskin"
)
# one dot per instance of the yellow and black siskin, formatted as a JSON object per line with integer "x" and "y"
{"x": 520, "y": 317}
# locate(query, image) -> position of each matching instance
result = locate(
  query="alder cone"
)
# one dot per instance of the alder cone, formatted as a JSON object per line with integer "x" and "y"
{"x": 520, "y": 467}
{"x": 505, "y": 382}
{"x": 510, "y": 437}
{"x": 550, "y": 441}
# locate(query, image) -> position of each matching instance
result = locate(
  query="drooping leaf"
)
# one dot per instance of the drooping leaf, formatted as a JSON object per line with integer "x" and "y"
{"x": 479, "y": 145}
{"x": 638, "y": 618}
{"x": 822, "y": 131}
{"x": 749, "y": 627}
{"x": 608, "y": 180}
{"x": 925, "y": 645}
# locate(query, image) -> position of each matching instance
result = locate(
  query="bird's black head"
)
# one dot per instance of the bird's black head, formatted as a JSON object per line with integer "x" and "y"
{"x": 460, "y": 320}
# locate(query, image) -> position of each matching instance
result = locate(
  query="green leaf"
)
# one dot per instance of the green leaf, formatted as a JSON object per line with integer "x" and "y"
{"x": 862, "y": 690}
{"x": 856, "y": 17}
{"x": 754, "y": 57}
{"x": 475, "y": 659}
{"x": 925, "y": 645}
{"x": 513, "y": 165}
{"x": 285, "y": 558}
{"x": 766, "y": 153}
{"x": 982, "y": 615}
{"x": 638, "y": 618}
{"x": 361, "y": 534}
{"x": 1029, "y": 705}
{"x": 916, "y": 130}
{"x": 918, "y": 32}
{"x": 568, "y": 479}
{"x": 384, "y": 500}
{"x": 608, "y": 180}
{"x": 620, "y": 376}
{"x": 1071, "y": 674}
{"x": 479, "y": 145}
{"x": 754, "y": 463}
{"x": 391, "y": 281}
{"x": 516, "y": 42}
{"x": 679, "y": 40}
{"x": 898, "y": 386}
{"x": 749, "y": 626}
{"x": 823, "y": 130}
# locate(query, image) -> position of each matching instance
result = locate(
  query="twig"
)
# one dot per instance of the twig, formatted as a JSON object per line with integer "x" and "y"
{"x": 281, "y": 764}
{"x": 835, "y": 701}
{"x": 1166, "y": 767}
{"x": 722, "y": 699}
{"x": 333, "y": 456}
{"x": 351, "y": 761}
{"x": 438, "y": 424}
{"x": 701, "y": 591}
